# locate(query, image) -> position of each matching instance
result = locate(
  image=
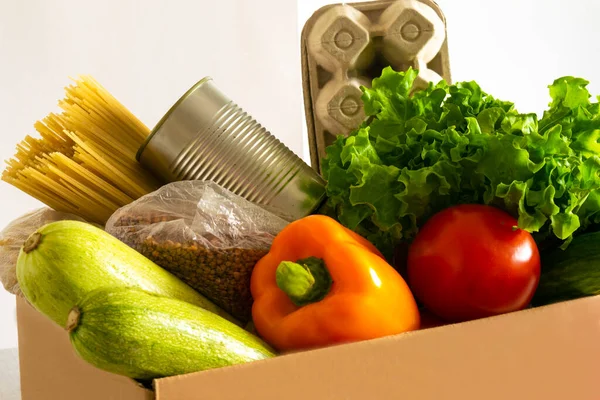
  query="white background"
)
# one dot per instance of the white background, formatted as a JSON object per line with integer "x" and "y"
{"x": 147, "y": 53}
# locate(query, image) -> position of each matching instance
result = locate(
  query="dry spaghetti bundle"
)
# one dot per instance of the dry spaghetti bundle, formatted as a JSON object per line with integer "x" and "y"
{"x": 84, "y": 160}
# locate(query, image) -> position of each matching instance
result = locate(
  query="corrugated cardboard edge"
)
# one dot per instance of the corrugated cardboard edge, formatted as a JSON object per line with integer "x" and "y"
{"x": 50, "y": 369}
{"x": 543, "y": 353}
{"x": 315, "y": 144}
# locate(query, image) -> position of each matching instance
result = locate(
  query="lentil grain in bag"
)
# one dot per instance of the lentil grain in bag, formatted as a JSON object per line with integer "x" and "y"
{"x": 207, "y": 236}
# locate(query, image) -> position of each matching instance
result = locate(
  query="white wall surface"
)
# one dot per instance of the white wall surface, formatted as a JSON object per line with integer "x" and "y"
{"x": 147, "y": 53}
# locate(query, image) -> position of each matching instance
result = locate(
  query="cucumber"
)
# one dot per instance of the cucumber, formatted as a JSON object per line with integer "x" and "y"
{"x": 62, "y": 261}
{"x": 571, "y": 273}
{"x": 143, "y": 336}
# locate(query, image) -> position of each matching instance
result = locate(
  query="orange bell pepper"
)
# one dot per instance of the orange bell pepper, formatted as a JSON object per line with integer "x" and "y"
{"x": 322, "y": 284}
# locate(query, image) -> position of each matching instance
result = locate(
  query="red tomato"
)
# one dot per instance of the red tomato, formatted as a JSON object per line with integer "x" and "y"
{"x": 469, "y": 262}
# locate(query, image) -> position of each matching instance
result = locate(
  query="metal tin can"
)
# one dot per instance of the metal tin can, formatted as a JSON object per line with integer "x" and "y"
{"x": 206, "y": 136}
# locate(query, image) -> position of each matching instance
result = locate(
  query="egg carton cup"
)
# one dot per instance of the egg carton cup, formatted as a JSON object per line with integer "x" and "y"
{"x": 346, "y": 46}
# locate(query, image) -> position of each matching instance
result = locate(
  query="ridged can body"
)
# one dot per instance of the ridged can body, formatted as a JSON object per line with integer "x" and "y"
{"x": 207, "y": 136}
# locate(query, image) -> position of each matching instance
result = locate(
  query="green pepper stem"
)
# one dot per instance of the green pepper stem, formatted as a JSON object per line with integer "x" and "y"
{"x": 304, "y": 281}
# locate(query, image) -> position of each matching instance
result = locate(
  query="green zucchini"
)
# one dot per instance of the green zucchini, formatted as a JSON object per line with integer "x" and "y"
{"x": 571, "y": 273}
{"x": 62, "y": 261}
{"x": 143, "y": 336}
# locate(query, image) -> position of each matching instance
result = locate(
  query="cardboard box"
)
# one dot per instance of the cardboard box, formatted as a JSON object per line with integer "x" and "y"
{"x": 545, "y": 353}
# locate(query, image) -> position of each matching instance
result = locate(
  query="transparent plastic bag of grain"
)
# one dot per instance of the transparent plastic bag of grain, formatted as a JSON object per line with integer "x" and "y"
{"x": 14, "y": 235}
{"x": 207, "y": 236}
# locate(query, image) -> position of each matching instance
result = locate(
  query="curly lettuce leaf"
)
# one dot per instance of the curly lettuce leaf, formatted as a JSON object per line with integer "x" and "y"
{"x": 418, "y": 153}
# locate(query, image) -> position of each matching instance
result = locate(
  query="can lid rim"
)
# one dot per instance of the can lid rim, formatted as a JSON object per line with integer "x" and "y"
{"x": 160, "y": 123}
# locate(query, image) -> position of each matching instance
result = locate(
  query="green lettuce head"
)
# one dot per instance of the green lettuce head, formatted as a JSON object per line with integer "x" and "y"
{"x": 419, "y": 152}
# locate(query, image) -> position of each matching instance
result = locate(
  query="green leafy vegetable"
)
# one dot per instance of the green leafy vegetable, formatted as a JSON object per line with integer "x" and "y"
{"x": 418, "y": 153}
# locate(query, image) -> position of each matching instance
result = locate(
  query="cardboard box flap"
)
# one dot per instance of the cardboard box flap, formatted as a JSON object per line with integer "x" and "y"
{"x": 50, "y": 369}
{"x": 544, "y": 353}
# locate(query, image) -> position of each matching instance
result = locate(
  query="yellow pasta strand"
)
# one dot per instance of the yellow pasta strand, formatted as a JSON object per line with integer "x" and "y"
{"x": 83, "y": 161}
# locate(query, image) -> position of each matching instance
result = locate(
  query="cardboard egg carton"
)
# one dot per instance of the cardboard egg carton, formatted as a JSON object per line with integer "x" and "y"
{"x": 345, "y": 46}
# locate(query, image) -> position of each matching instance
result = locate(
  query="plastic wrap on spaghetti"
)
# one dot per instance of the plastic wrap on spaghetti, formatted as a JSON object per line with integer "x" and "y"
{"x": 204, "y": 234}
{"x": 14, "y": 235}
